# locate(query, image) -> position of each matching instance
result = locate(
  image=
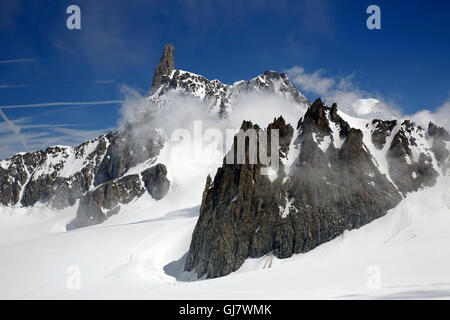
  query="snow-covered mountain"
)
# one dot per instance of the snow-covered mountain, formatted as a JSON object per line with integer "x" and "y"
{"x": 166, "y": 222}
{"x": 221, "y": 98}
{"x": 338, "y": 173}
{"x": 99, "y": 172}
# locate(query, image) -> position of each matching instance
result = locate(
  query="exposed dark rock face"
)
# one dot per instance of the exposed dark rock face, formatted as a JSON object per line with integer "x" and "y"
{"x": 316, "y": 119}
{"x": 123, "y": 153}
{"x": 344, "y": 126}
{"x": 239, "y": 199}
{"x": 409, "y": 171}
{"x": 156, "y": 182}
{"x": 353, "y": 146}
{"x": 440, "y": 138}
{"x": 383, "y": 129}
{"x": 99, "y": 204}
{"x": 285, "y": 135}
{"x": 14, "y": 175}
{"x": 243, "y": 214}
{"x": 165, "y": 67}
{"x": 104, "y": 201}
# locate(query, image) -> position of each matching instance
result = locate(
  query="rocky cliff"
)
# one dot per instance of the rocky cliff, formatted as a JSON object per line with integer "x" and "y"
{"x": 329, "y": 182}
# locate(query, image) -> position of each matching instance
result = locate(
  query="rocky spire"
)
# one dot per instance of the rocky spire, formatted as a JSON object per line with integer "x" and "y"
{"x": 165, "y": 66}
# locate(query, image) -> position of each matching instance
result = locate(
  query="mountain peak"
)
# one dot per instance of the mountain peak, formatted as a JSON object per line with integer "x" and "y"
{"x": 165, "y": 66}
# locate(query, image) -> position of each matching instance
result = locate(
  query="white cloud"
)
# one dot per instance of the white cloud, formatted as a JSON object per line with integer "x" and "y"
{"x": 312, "y": 82}
{"x": 344, "y": 92}
{"x": 440, "y": 117}
{"x": 359, "y": 103}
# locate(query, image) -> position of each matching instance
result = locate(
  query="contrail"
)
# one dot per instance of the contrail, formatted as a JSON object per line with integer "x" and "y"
{"x": 60, "y": 104}
{"x": 17, "y": 61}
{"x": 34, "y": 126}
{"x": 14, "y": 129}
{"x": 12, "y": 86}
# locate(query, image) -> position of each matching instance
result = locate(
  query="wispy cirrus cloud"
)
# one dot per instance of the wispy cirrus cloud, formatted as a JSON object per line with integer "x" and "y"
{"x": 104, "y": 81}
{"x": 17, "y": 61}
{"x": 13, "y": 86}
{"x": 22, "y": 135}
{"x": 15, "y": 129}
{"x": 62, "y": 104}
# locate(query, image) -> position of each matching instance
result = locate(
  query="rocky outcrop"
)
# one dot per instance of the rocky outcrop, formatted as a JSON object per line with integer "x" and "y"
{"x": 124, "y": 152}
{"x": 156, "y": 182}
{"x": 238, "y": 200}
{"x": 410, "y": 170}
{"x": 165, "y": 67}
{"x": 326, "y": 191}
{"x": 105, "y": 200}
{"x": 441, "y": 139}
{"x": 383, "y": 129}
{"x": 51, "y": 175}
{"x": 343, "y": 125}
{"x": 14, "y": 174}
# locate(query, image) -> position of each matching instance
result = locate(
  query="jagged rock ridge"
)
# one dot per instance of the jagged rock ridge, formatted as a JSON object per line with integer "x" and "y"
{"x": 328, "y": 182}
{"x": 221, "y": 98}
{"x": 59, "y": 176}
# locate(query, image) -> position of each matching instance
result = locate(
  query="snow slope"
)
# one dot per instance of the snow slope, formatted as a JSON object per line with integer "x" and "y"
{"x": 139, "y": 254}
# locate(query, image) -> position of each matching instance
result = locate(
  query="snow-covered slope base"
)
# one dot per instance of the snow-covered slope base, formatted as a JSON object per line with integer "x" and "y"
{"x": 401, "y": 255}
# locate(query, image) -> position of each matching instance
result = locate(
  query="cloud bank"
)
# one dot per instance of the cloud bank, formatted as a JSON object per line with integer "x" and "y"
{"x": 441, "y": 116}
{"x": 344, "y": 92}
{"x": 360, "y": 103}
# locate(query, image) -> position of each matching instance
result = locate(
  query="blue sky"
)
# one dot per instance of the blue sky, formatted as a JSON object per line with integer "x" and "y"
{"x": 406, "y": 63}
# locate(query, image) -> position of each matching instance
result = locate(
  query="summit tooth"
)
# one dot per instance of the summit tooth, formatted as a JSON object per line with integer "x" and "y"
{"x": 165, "y": 67}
